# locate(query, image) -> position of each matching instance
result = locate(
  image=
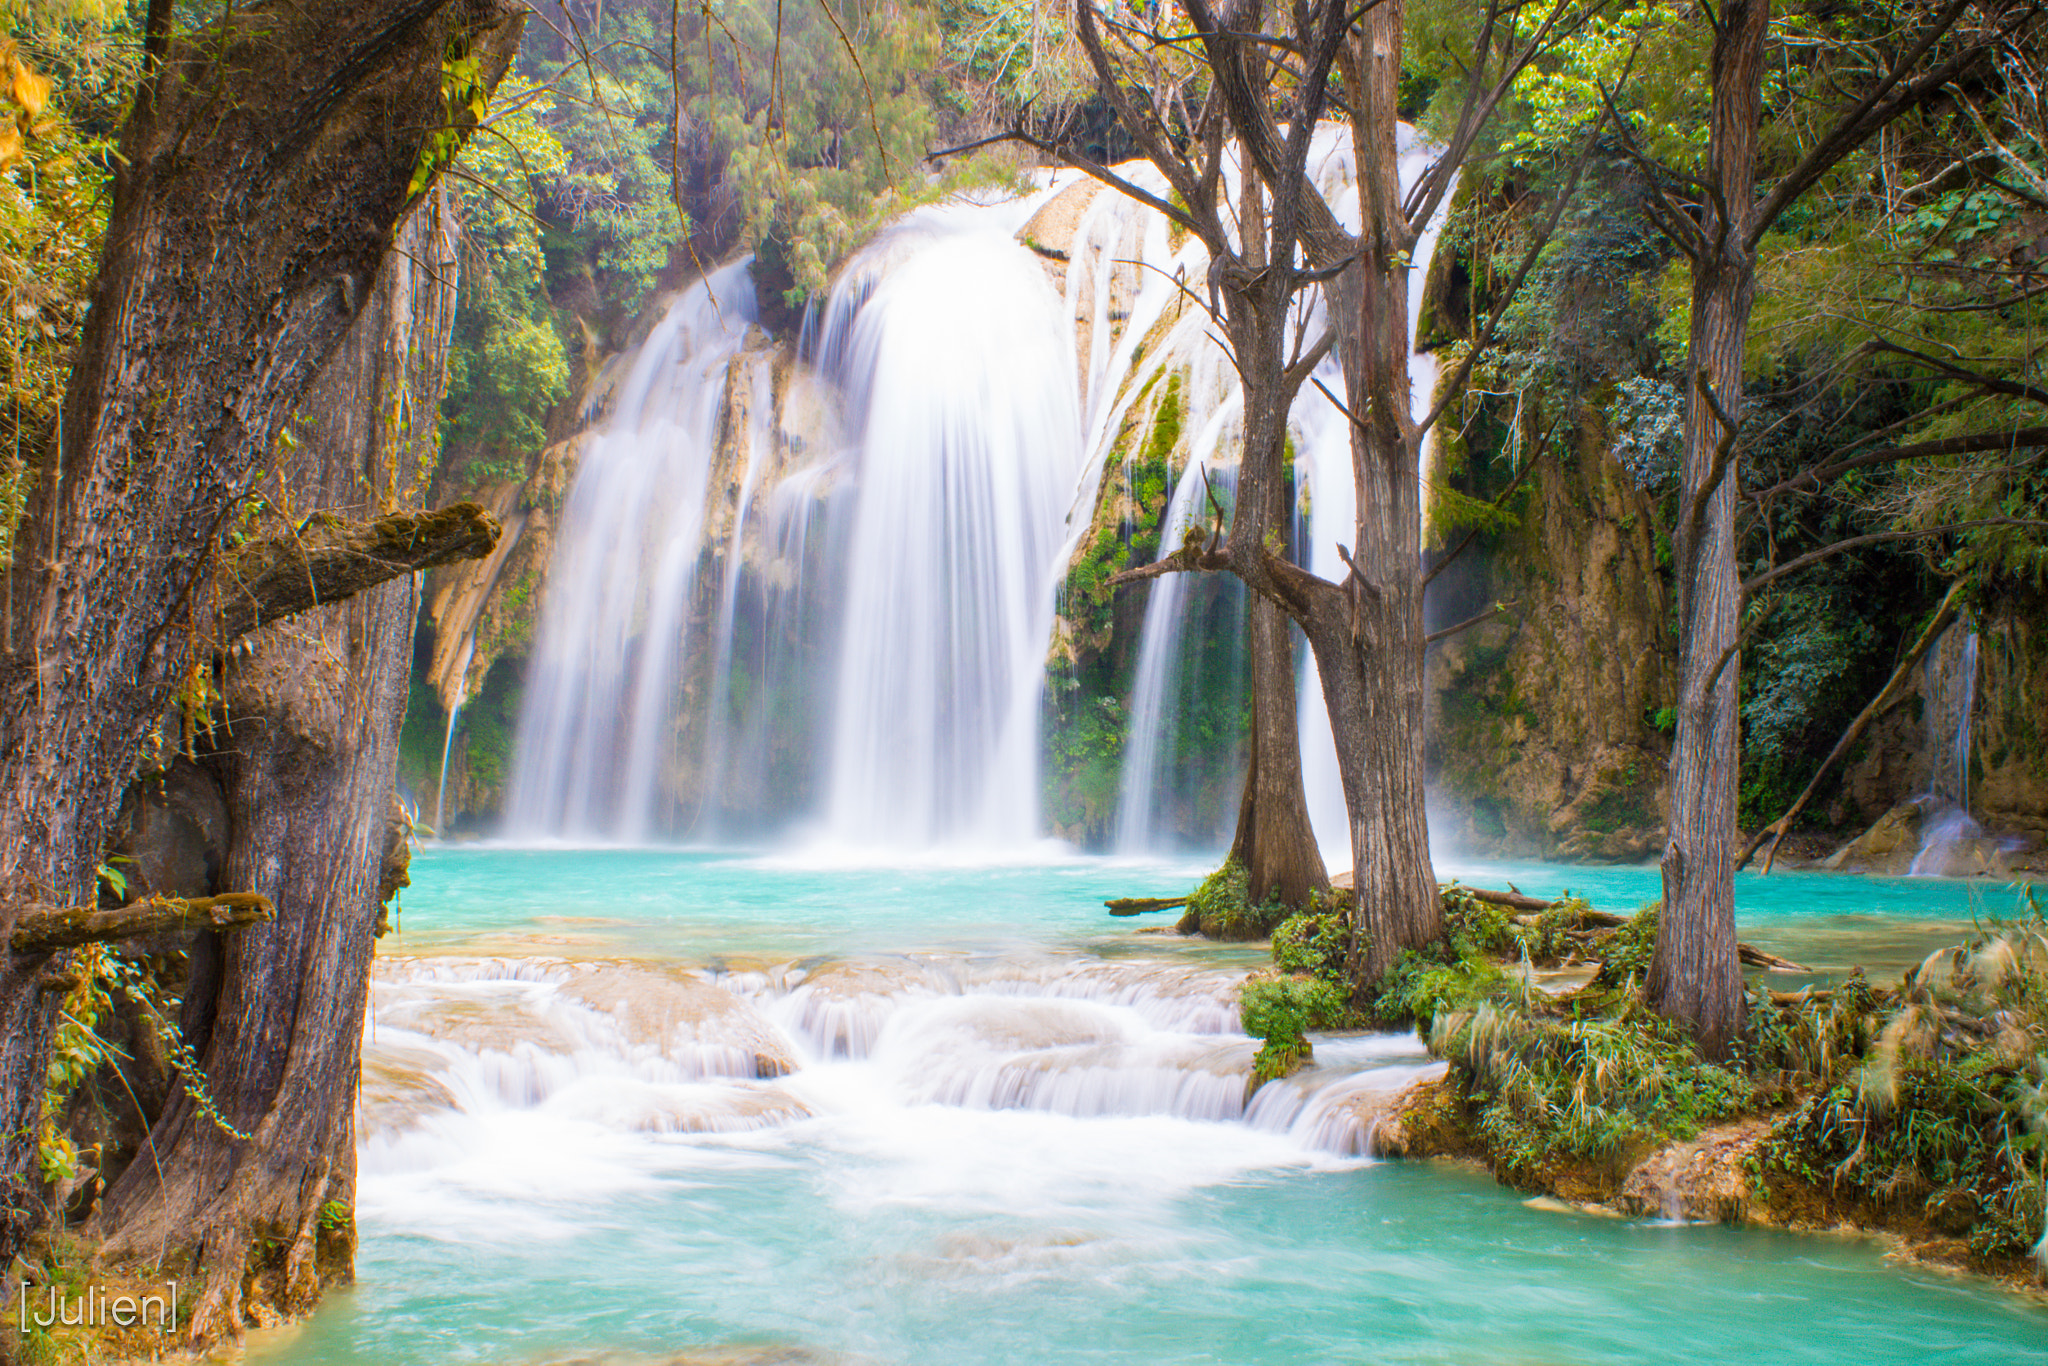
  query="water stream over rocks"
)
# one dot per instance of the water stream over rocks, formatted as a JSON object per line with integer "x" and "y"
{"x": 625, "y": 1105}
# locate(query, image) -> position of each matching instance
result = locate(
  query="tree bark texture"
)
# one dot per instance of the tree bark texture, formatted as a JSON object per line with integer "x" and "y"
{"x": 1695, "y": 976}
{"x": 261, "y": 173}
{"x": 1368, "y": 635}
{"x": 1275, "y": 840}
{"x": 308, "y": 758}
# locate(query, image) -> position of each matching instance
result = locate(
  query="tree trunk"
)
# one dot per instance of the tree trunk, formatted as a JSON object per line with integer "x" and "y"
{"x": 308, "y": 760}
{"x": 1695, "y": 978}
{"x": 261, "y": 171}
{"x": 1275, "y": 841}
{"x": 1367, "y": 635}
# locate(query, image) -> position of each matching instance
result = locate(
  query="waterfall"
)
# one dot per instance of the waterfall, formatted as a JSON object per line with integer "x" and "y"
{"x": 1949, "y": 686}
{"x": 958, "y": 366}
{"x": 1325, "y": 444}
{"x": 1161, "y": 674}
{"x": 448, "y": 740}
{"x": 1322, "y": 439}
{"x": 752, "y": 618}
{"x": 600, "y": 702}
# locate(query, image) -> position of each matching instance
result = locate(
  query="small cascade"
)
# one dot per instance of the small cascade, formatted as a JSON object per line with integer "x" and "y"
{"x": 459, "y": 1049}
{"x": 448, "y": 740}
{"x": 958, "y": 366}
{"x": 1949, "y": 686}
{"x": 1166, "y": 681}
{"x": 600, "y": 705}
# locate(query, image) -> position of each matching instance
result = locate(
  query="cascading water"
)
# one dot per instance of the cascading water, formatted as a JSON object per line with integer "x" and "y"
{"x": 1949, "y": 686}
{"x": 1322, "y": 438}
{"x": 929, "y": 545}
{"x": 600, "y": 704}
{"x": 448, "y": 739}
{"x": 750, "y": 1110}
{"x": 958, "y": 364}
{"x": 1163, "y": 678}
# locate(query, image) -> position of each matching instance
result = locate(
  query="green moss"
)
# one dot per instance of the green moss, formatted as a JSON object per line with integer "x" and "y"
{"x": 1280, "y": 1011}
{"x": 1221, "y": 907}
{"x": 420, "y": 741}
{"x": 487, "y": 730}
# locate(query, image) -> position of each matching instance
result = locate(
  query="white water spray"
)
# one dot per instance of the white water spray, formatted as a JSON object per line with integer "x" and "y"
{"x": 959, "y": 370}
{"x": 600, "y": 704}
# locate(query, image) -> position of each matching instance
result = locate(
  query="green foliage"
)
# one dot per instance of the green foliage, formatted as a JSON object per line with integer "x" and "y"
{"x": 1312, "y": 943}
{"x": 1084, "y": 739}
{"x": 820, "y": 115}
{"x": 1585, "y": 1088}
{"x": 489, "y": 727}
{"x": 419, "y": 743}
{"x": 507, "y": 366}
{"x": 463, "y": 92}
{"x": 65, "y": 74}
{"x": 76, "y": 1052}
{"x": 1013, "y": 52}
{"x": 1625, "y": 955}
{"x": 1280, "y": 1011}
{"x": 1222, "y": 905}
{"x": 78, "y": 1049}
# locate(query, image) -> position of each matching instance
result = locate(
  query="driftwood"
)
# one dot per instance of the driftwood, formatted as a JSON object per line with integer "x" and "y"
{"x": 1883, "y": 702}
{"x": 1757, "y": 958}
{"x": 49, "y": 929}
{"x": 329, "y": 559}
{"x": 1142, "y": 905}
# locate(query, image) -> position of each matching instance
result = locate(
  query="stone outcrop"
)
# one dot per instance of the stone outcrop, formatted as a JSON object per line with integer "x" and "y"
{"x": 1541, "y": 722}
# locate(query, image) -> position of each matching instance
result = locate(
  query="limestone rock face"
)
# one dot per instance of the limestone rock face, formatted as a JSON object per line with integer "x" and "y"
{"x": 1701, "y": 1181}
{"x": 1886, "y": 847}
{"x": 1542, "y": 740}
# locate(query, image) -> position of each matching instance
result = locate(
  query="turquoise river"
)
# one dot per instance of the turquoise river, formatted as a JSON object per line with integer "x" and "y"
{"x": 688, "y": 1106}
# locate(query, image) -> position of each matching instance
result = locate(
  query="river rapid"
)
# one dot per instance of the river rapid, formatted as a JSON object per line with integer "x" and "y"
{"x": 729, "y": 1106}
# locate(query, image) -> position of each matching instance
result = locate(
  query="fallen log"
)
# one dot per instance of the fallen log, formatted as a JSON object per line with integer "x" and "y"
{"x": 1757, "y": 958}
{"x": 50, "y": 929}
{"x": 1143, "y": 905}
{"x": 1887, "y": 697}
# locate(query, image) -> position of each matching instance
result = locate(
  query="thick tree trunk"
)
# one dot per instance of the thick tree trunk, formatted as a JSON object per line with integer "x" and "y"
{"x": 1275, "y": 841}
{"x": 261, "y": 172}
{"x": 1368, "y": 636}
{"x": 1695, "y": 977}
{"x": 307, "y": 762}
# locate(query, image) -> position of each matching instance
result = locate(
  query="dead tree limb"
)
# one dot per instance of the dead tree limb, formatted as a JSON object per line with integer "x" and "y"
{"x": 329, "y": 559}
{"x": 1951, "y": 605}
{"x": 1143, "y": 905}
{"x": 50, "y": 929}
